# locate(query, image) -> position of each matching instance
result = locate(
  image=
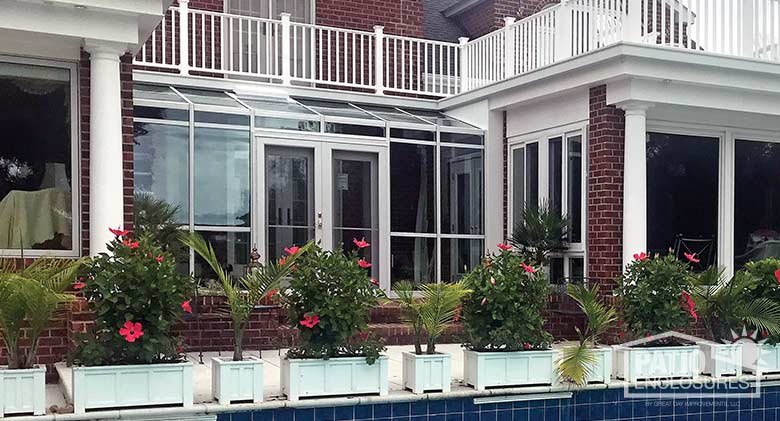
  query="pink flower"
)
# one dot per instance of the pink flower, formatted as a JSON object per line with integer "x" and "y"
{"x": 282, "y": 261}
{"x": 484, "y": 301}
{"x": 272, "y": 293}
{"x": 493, "y": 281}
{"x": 186, "y": 306}
{"x": 526, "y": 346}
{"x": 640, "y": 256}
{"x": 456, "y": 316}
{"x": 291, "y": 250}
{"x": 361, "y": 244}
{"x": 777, "y": 275}
{"x": 310, "y": 320}
{"x": 119, "y": 232}
{"x": 691, "y": 257}
{"x": 528, "y": 268}
{"x": 362, "y": 263}
{"x": 131, "y": 331}
{"x": 79, "y": 285}
{"x": 130, "y": 244}
{"x": 504, "y": 247}
{"x": 159, "y": 258}
{"x": 374, "y": 281}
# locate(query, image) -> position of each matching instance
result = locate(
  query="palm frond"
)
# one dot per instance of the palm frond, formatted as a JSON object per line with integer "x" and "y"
{"x": 577, "y": 364}
{"x": 599, "y": 316}
{"x": 762, "y": 313}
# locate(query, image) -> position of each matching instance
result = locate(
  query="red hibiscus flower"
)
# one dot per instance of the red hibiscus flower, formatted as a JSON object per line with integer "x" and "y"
{"x": 527, "y": 268}
{"x": 272, "y": 293}
{"x": 291, "y": 250}
{"x": 374, "y": 281}
{"x": 504, "y": 247}
{"x": 361, "y": 244}
{"x": 484, "y": 301}
{"x": 79, "y": 285}
{"x": 119, "y": 232}
{"x": 310, "y": 320}
{"x": 186, "y": 306}
{"x": 159, "y": 258}
{"x": 456, "y": 316}
{"x": 282, "y": 261}
{"x": 640, "y": 256}
{"x": 777, "y": 275}
{"x": 362, "y": 263}
{"x": 131, "y": 331}
{"x": 526, "y": 346}
{"x": 131, "y": 244}
{"x": 692, "y": 257}
{"x": 689, "y": 305}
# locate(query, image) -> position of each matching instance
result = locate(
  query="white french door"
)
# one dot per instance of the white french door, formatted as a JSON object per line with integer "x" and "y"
{"x": 325, "y": 191}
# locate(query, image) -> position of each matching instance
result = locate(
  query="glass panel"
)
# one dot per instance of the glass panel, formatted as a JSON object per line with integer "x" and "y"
{"x": 161, "y": 164}
{"x": 287, "y": 124}
{"x": 232, "y": 250}
{"x": 574, "y": 187}
{"x": 221, "y": 177}
{"x": 576, "y": 269}
{"x": 289, "y": 184}
{"x": 555, "y": 166}
{"x": 161, "y": 113}
{"x": 204, "y": 97}
{"x": 355, "y": 198}
{"x": 435, "y": 117}
{"x": 461, "y": 191}
{"x": 532, "y": 174}
{"x": 458, "y": 256}
{"x": 391, "y": 114}
{"x": 155, "y": 92}
{"x": 36, "y": 172}
{"x": 682, "y": 193}
{"x": 469, "y": 139}
{"x": 412, "y": 202}
{"x": 412, "y": 134}
{"x": 756, "y": 201}
{"x": 270, "y": 104}
{"x": 518, "y": 184}
{"x": 221, "y": 118}
{"x": 354, "y": 129}
{"x": 337, "y": 109}
{"x": 556, "y": 270}
{"x": 413, "y": 260}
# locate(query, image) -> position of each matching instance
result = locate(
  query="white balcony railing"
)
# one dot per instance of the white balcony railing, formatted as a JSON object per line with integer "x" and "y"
{"x": 201, "y": 42}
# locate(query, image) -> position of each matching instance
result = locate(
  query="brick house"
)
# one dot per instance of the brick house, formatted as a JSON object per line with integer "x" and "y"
{"x": 423, "y": 126}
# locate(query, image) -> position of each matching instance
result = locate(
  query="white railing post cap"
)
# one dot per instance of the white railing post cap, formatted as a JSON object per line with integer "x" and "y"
{"x": 379, "y": 28}
{"x": 463, "y": 40}
{"x": 285, "y": 15}
{"x": 508, "y": 20}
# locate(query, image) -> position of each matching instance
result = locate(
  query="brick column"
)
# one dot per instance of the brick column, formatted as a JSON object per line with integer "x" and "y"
{"x": 606, "y": 133}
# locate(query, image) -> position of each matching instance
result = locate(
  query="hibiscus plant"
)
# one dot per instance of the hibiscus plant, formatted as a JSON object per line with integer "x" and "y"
{"x": 429, "y": 310}
{"x": 329, "y": 297}
{"x": 578, "y": 362}
{"x": 654, "y": 295}
{"x": 136, "y": 296}
{"x": 503, "y": 312}
{"x": 30, "y": 296}
{"x": 244, "y": 294}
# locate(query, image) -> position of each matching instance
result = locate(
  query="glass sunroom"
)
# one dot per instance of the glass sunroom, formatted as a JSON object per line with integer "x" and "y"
{"x": 247, "y": 171}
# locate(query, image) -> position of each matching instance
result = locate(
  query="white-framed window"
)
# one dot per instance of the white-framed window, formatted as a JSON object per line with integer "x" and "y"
{"x": 39, "y": 171}
{"x": 549, "y": 167}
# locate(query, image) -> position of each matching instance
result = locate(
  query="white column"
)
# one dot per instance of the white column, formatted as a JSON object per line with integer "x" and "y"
{"x": 106, "y": 204}
{"x": 494, "y": 181}
{"x": 632, "y": 21}
{"x": 509, "y": 47}
{"x": 563, "y": 31}
{"x": 635, "y": 180}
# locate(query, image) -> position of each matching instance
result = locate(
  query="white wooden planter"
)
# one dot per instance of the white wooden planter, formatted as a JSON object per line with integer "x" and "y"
{"x": 132, "y": 385}
{"x": 427, "y": 373}
{"x": 633, "y": 364}
{"x": 521, "y": 368}
{"x": 602, "y": 372}
{"x": 22, "y": 391}
{"x": 233, "y": 381}
{"x": 721, "y": 359}
{"x": 761, "y": 358}
{"x": 334, "y": 377}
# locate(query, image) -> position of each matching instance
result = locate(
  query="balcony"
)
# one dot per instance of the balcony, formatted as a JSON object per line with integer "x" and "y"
{"x": 198, "y": 42}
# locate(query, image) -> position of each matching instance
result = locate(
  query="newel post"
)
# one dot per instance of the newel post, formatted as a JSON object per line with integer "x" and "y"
{"x": 748, "y": 28}
{"x": 632, "y": 21}
{"x": 509, "y": 47}
{"x": 564, "y": 38}
{"x": 379, "y": 59}
{"x": 465, "y": 65}
{"x": 184, "y": 37}
{"x": 286, "y": 53}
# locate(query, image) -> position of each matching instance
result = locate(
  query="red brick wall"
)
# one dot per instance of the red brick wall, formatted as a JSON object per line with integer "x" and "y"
{"x": 529, "y": 7}
{"x": 399, "y": 17}
{"x": 606, "y": 134}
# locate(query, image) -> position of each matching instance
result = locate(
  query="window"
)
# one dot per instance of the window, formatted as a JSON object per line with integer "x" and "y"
{"x": 574, "y": 188}
{"x": 37, "y": 171}
{"x": 161, "y": 164}
{"x": 756, "y": 201}
{"x": 555, "y": 167}
{"x": 682, "y": 194}
{"x": 525, "y": 179}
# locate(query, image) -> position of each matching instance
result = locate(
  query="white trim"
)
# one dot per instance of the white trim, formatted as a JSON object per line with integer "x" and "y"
{"x": 75, "y": 159}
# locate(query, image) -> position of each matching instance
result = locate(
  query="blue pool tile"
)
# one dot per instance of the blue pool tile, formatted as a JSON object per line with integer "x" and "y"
{"x": 241, "y": 416}
{"x": 535, "y": 414}
{"x": 223, "y": 417}
{"x": 436, "y": 407}
{"x": 455, "y": 416}
{"x": 611, "y": 411}
{"x": 267, "y": 415}
{"x": 519, "y": 415}
{"x": 283, "y": 414}
{"x": 454, "y": 406}
{"x": 520, "y": 405}
{"x": 469, "y": 405}
{"x": 504, "y": 406}
{"x": 419, "y": 408}
{"x": 304, "y": 414}
{"x": 382, "y": 410}
{"x": 419, "y": 418}
{"x": 487, "y": 416}
{"x": 324, "y": 414}
{"x": 625, "y": 410}
{"x": 505, "y": 415}
{"x": 757, "y": 415}
{"x": 551, "y": 414}
{"x": 364, "y": 412}
{"x": 439, "y": 417}
{"x": 344, "y": 413}
{"x": 401, "y": 409}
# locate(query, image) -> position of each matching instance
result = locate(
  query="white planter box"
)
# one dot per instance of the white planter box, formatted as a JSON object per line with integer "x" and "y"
{"x": 132, "y": 385}
{"x": 427, "y": 372}
{"x": 602, "y": 372}
{"x": 721, "y": 359}
{"x": 333, "y": 377}
{"x": 761, "y": 358}
{"x": 655, "y": 363}
{"x": 491, "y": 369}
{"x": 233, "y": 381}
{"x": 22, "y": 391}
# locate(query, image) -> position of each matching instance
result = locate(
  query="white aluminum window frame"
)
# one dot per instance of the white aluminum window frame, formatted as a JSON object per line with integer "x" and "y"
{"x": 75, "y": 160}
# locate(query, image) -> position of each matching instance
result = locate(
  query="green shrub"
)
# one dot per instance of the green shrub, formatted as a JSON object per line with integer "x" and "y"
{"x": 654, "y": 295}
{"x": 329, "y": 299}
{"x": 504, "y": 310}
{"x": 133, "y": 286}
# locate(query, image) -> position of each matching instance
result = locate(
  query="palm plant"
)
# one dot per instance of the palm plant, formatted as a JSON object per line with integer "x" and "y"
{"x": 578, "y": 362}
{"x": 540, "y": 230}
{"x": 245, "y": 293}
{"x": 429, "y": 314}
{"x": 160, "y": 221}
{"x": 724, "y": 304}
{"x": 29, "y": 298}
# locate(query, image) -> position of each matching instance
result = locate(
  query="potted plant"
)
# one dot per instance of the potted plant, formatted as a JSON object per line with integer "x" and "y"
{"x": 655, "y": 299}
{"x": 429, "y": 315}
{"x": 506, "y": 344}
{"x": 540, "y": 231}
{"x": 241, "y": 378}
{"x": 29, "y": 298}
{"x": 328, "y": 299}
{"x": 129, "y": 357}
{"x": 586, "y": 362}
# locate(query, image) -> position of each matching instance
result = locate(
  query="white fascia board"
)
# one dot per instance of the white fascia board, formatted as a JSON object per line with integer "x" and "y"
{"x": 133, "y": 7}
